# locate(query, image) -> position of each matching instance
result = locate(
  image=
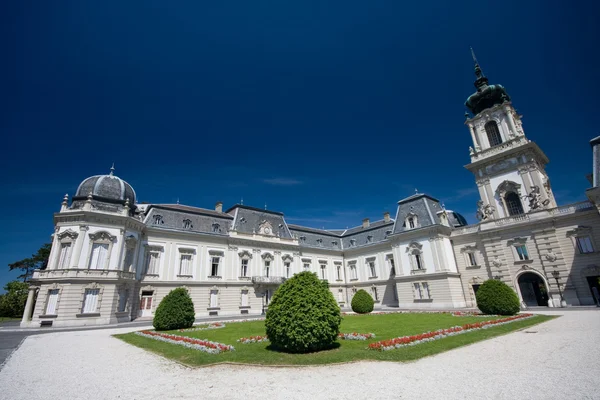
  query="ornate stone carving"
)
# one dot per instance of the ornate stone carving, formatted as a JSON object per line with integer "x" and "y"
{"x": 551, "y": 256}
{"x": 102, "y": 235}
{"x": 68, "y": 233}
{"x": 267, "y": 256}
{"x": 265, "y": 228}
{"x": 535, "y": 199}
{"x": 257, "y": 251}
{"x": 484, "y": 211}
{"x": 496, "y": 262}
{"x": 507, "y": 186}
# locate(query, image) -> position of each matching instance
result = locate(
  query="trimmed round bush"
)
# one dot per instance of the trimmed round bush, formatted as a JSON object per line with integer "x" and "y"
{"x": 362, "y": 302}
{"x": 175, "y": 311}
{"x": 303, "y": 315}
{"x": 496, "y": 297}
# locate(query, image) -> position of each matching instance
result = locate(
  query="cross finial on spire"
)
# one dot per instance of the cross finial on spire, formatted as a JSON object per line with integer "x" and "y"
{"x": 178, "y": 200}
{"x": 242, "y": 201}
{"x": 473, "y": 55}
{"x": 265, "y": 206}
{"x": 112, "y": 169}
{"x": 416, "y": 191}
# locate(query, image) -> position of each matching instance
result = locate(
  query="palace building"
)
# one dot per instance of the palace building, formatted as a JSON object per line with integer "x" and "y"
{"x": 113, "y": 259}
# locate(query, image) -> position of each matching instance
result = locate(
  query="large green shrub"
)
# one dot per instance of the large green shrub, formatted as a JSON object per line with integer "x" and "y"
{"x": 496, "y": 297}
{"x": 362, "y": 302}
{"x": 303, "y": 315}
{"x": 175, "y": 311}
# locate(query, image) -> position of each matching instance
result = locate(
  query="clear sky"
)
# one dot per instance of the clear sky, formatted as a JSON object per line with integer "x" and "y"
{"x": 327, "y": 111}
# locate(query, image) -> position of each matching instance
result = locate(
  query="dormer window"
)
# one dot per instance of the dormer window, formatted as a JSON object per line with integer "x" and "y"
{"x": 388, "y": 232}
{"x": 493, "y": 133}
{"x": 411, "y": 221}
{"x": 187, "y": 224}
{"x": 320, "y": 242}
{"x": 158, "y": 219}
{"x": 334, "y": 242}
{"x": 216, "y": 228}
{"x": 352, "y": 242}
{"x": 302, "y": 238}
{"x": 369, "y": 239}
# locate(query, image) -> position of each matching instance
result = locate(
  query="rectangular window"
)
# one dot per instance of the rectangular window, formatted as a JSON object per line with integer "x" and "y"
{"x": 214, "y": 298}
{"x": 375, "y": 294}
{"x": 522, "y": 252}
{"x": 306, "y": 266}
{"x": 244, "y": 271}
{"x": 425, "y": 287}
{"x": 214, "y": 270}
{"x": 185, "y": 267}
{"x": 128, "y": 263}
{"x": 472, "y": 260}
{"x": 267, "y": 297}
{"x": 152, "y": 262}
{"x": 65, "y": 256}
{"x": 323, "y": 271}
{"x": 267, "y": 268}
{"x": 123, "y": 297}
{"x": 393, "y": 267}
{"x": 98, "y": 256}
{"x": 340, "y": 296}
{"x": 418, "y": 261}
{"x": 244, "y": 298}
{"x": 52, "y": 302}
{"x": 90, "y": 301}
{"x": 584, "y": 244}
{"x": 372, "y": 269}
{"x": 339, "y": 272}
{"x": 287, "y": 269}
{"x": 353, "y": 273}
{"x": 418, "y": 293}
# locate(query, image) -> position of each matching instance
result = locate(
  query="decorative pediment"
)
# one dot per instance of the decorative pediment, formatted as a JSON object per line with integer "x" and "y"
{"x": 306, "y": 260}
{"x": 475, "y": 280}
{"x": 518, "y": 241}
{"x": 219, "y": 253}
{"x": 245, "y": 255}
{"x": 506, "y": 187}
{"x": 468, "y": 249}
{"x": 67, "y": 234}
{"x": 102, "y": 235}
{"x": 93, "y": 285}
{"x": 267, "y": 256}
{"x": 322, "y": 261}
{"x": 287, "y": 257}
{"x": 54, "y": 286}
{"x": 131, "y": 241}
{"x": 214, "y": 288}
{"x": 580, "y": 231}
{"x": 244, "y": 288}
{"x": 414, "y": 246}
{"x": 265, "y": 228}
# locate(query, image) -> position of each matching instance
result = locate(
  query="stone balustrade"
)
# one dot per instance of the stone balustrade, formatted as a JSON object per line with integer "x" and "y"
{"x": 82, "y": 274}
{"x": 273, "y": 280}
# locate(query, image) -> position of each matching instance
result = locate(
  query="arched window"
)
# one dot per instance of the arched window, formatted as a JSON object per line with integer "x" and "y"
{"x": 513, "y": 204}
{"x": 493, "y": 133}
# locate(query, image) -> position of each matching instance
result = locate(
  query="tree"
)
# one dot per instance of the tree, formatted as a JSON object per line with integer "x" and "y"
{"x": 303, "y": 315}
{"x": 39, "y": 260}
{"x": 362, "y": 302}
{"x": 12, "y": 303}
{"x": 175, "y": 311}
{"x": 496, "y": 297}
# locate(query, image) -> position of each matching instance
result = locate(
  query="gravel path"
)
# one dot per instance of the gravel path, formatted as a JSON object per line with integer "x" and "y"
{"x": 560, "y": 361}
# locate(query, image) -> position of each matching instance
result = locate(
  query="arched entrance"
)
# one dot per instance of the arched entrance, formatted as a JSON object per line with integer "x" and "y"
{"x": 534, "y": 291}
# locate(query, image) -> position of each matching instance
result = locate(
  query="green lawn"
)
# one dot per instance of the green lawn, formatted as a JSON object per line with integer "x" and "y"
{"x": 4, "y": 319}
{"x": 383, "y": 326}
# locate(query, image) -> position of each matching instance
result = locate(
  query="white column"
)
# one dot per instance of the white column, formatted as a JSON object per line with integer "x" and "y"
{"x": 75, "y": 259}
{"x": 121, "y": 247}
{"x": 28, "y": 306}
{"x": 54, "y": 251}
{"x": 511, "y": 122}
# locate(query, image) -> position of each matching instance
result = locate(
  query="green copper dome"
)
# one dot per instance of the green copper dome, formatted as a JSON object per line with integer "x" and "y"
{"x": 487, "y": 95}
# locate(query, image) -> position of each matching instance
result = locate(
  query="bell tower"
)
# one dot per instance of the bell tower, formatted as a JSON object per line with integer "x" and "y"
{"x": 509, "y": 169}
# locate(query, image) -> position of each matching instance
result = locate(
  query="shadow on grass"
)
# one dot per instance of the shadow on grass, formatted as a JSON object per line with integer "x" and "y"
{"x": 274, "y": 348}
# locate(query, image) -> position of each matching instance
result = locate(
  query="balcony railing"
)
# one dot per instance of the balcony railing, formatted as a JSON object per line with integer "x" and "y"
{"x": 272, "y": 280}
{"x": 82, "y": 274}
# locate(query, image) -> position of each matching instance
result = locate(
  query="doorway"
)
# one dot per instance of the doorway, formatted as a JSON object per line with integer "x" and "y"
{"x": 146, "y": 304}
{"x": 594, "y": 282}
{"x": 533, "y": 290}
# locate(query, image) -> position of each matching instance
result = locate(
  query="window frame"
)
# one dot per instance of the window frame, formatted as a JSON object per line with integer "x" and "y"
{"x": 188, "y": 253}
{"x": 519, "y": 256}
{"x": 372, "y": 267}
{"x": 582, "y": 232}
{"x": 493, "y": 132}
{"x": 83, "y": 311}
{"x": 100, "y": 238}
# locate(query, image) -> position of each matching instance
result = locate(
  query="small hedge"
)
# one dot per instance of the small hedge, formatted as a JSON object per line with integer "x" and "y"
{"x": 496, "y": 297}
{"x": 175, "y": 311}
{"x": 362, "y": 302}
{"x": 303, "y": 315}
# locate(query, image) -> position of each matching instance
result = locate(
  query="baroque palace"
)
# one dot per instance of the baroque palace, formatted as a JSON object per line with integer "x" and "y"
{"x": 113, "y": 260}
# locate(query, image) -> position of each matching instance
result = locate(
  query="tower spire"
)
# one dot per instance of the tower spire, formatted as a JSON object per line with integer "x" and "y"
{"x": 481, "y": 82}
{"x": 112, "y": 169}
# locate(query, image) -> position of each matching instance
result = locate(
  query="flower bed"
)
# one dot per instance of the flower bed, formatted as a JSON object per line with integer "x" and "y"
{"x": 214, "y": 325}
{"x": 196, "y": 344}
{"x": 403, "y": 341}
{"x": 253, "y": 339}
{"x": 356, "y": 336}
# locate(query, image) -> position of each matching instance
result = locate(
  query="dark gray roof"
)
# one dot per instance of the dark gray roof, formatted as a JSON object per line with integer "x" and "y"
{"x": 337, "y": 231}
{"x": 377, "y": 232}
{"x": 308, "y": 237}
{"x": 424, "y": 207}
{"x": 109, "y": 188}
{"x": 189, "y": 219}
{"x": 250, "y": 219}
{"x": 372, "y": 225}
{"x": 313, "y": 230}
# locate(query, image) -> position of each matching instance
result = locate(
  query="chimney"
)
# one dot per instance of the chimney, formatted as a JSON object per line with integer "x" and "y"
{"x": 366, "y": 223}
{"x": 386, "y": 216}
{"x": 595, "y": 143}
{"x": 219, "y": 207}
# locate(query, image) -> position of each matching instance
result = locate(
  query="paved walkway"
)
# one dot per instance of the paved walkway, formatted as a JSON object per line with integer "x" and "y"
{"x": 560, "y": 360}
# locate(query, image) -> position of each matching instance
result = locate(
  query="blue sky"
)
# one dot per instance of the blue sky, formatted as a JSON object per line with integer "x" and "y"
{"x": 327, "y": 111}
